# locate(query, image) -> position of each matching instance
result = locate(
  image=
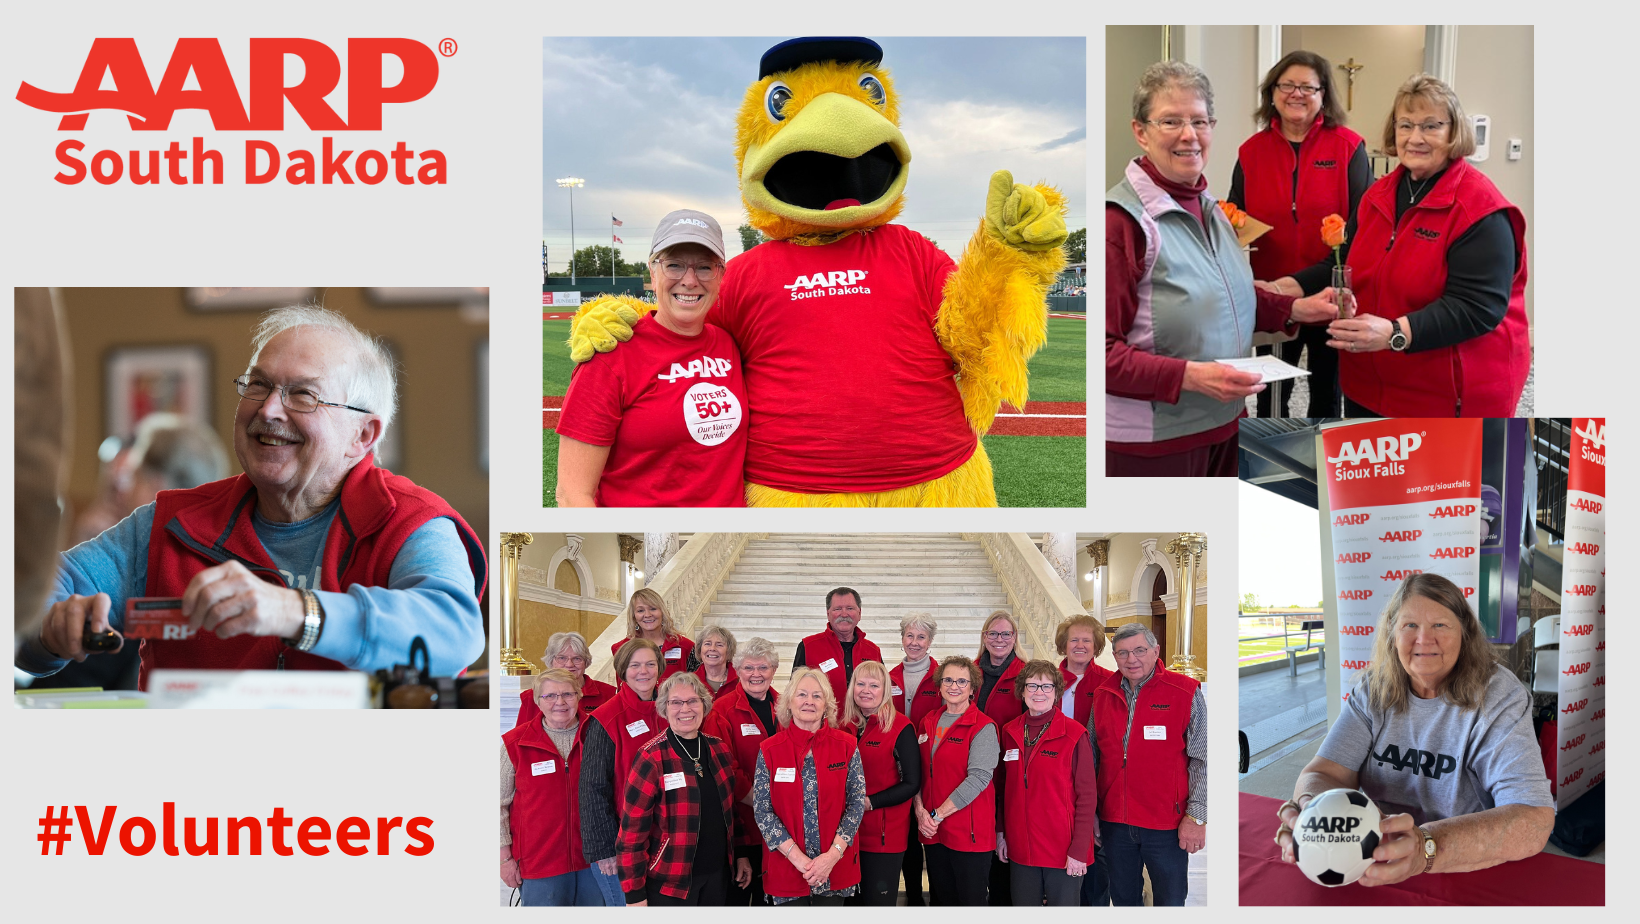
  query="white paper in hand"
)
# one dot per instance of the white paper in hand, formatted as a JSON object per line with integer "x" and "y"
{"x": 1269, "y": 368}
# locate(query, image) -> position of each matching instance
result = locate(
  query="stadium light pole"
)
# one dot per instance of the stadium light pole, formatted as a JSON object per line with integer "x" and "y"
{"x": 569, "y": 183}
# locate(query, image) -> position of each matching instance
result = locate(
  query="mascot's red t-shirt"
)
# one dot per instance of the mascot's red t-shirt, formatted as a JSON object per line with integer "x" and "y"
{"x": 671, "y": 410}
{"x": 853, "y": 391}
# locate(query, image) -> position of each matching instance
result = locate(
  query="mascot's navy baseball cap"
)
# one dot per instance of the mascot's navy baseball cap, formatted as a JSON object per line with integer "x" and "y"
{"x": 792, "y": 52}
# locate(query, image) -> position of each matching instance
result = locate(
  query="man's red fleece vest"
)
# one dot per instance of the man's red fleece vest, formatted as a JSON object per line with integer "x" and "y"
{"x": 1294, "y": 216}
{"x": 209, "y": 525}
{"x": 1147, "y": 784}
{"x": 824, "y": 646}
{"x": 1400, "y": 269}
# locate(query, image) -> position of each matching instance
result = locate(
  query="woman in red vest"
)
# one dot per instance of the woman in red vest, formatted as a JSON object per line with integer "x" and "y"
{"x": 715, "y": 649}
{"x": 1303, "y": 166}
{"x": 812, "y": 857}
{"x": 1047, "y": 794}
{"x": 915, "y": 684}
{"x": 540, "y": 800}
{"x": 647, "y": 617}
{"x": 1080, "y": 639}
{"x": 567, "y": 651}
{"x": 617, "y": 730}
{"x": 999, "y": 662}
{"x": 679, "y": 817}
{"x": 893, "y": 769}
{"x": 959, "y": 756}
{"x": 745, "y": 718}
{"x": 1440, "y": 276}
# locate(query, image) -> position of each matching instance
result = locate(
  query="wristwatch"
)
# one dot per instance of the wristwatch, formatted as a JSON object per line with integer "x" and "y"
{"x": 1194, "y": 818}
{"x": 1429, "y": 849}
{"x": 1398, "y": 338}
{"x": 934, "y": 815}
{"x": 313, "y": 620}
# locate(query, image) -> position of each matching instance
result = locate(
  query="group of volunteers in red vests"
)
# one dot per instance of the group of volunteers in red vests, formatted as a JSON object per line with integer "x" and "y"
{"x": 694, "y": 782}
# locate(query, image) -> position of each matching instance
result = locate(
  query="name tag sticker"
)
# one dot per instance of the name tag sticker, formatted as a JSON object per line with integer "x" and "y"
{"x": 750, "y": 730}
{"x": 637, "y": 728}
{"x": 828, "y": 665}
{"x": 672, "y": 654}
{"x": 673, "y": 781}
{"x": 1155, "y": 732}
{"x": 785, "y": 774}
{"x": 543, "y": 766}
{"x": 922, "y": 739}
{"x": 897, "y": 691}
{"x": 1011, "y": 754}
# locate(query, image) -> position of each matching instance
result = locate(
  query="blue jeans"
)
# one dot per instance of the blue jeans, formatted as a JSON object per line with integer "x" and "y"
{"x": 577, "y": 888}
{"x": 1096, "y": 884}
{"x": 610, "y": 886}
{"x": 1131, "y": 851}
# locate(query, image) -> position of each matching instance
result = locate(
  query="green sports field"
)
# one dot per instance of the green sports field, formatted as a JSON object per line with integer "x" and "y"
{"x": 1031, "y": 471}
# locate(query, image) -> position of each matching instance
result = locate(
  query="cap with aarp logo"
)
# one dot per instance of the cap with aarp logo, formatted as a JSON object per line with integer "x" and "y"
{"x": 687, "y": 226}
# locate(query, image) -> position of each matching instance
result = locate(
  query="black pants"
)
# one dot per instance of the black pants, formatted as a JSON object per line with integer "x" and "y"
{"x": 1323, "y": 368}
{"x": 703, "y": 890}
{"x": 752, "y": 895}
{"x": 830, "y": 901}
{"x": 1001, "y": 888}
{"x": 1096, "y": 884}
{"x": 1035, "y": 886}
{"x": 879, "y": 879}
{"x": 911, "y": 870}
{"x": 957, "y": 877}
{"x": 1351, "y": 409}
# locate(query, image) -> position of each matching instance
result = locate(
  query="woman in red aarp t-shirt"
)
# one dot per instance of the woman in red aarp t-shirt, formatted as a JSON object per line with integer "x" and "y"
{"x": 661, "y": 422}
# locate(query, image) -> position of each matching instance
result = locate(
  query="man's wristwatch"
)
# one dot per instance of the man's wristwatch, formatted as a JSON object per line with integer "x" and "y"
{"x": 1397, "y": 338}
{"x": 313, "y": 620}
{"x": 1194, "y": 818}
{"x": 1429, "y": 849}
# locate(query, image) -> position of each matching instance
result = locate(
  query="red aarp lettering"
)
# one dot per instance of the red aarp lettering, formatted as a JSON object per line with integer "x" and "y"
{"x": 1573, "y": 743}
{"x": 1355, "y": 595}
{"x": 1456, "y": 551}
{"x": 1455, "y": 510}
{"x": 1352, "y": 558}
{"x": 1574, "y": 707}
{"x": 1351, "y": 519}
{"x": 1394, "y": 575}
{"x": 1405, "y": 535}
{"x": 1355, "y": 630}
{"x": 1584, "y": 548}
{"x": 1582, "y": 668}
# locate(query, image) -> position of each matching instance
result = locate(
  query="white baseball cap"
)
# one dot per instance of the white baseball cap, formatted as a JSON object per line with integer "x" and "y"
{"x": 687, "y": 226}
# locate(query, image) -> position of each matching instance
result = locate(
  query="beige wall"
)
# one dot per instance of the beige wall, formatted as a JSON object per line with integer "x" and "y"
{"x": 1494, "y": 78}
{"x": 436, "y": 347}
{"x": 538, "y": 621}
{"x": 1128, "y": 51}
{"x": 1390, "y": 54}
{"x": 602, "y": 554}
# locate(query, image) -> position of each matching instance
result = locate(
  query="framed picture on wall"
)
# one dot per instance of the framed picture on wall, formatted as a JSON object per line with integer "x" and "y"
{"x": 139, "y": 381}
{"x": 229, "y": 298}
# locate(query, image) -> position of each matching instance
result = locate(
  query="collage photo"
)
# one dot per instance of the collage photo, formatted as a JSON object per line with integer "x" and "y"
{"x": 254, "y": 525}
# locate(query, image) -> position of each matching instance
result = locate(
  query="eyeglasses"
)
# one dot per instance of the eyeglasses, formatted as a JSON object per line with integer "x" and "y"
{"x": 1134, "y": 653}
{"x": 558, "y": 697}
{"x": 954, "y": 681}
{"x": 675, "y": 271}
{"x": 296, "y": 398}
{"x": 1174, "y": 126}
{"x": 690, "y": 703}
{"x": 1038, "y": 688}
{"x": 570, "y": 660}
{"x": 998, "y": 636}
{"x": 1428, "y": 128}
{"x": 1301, "y": 89}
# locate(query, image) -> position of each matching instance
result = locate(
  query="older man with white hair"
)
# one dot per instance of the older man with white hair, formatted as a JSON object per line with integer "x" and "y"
{"x": 1149, "y": 731}
{"x": 313, "y": 559}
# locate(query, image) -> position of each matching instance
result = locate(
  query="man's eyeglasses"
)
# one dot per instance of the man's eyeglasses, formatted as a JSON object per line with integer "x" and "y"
{"x": 1132, "y": 653}
{"x": 295, "y": 397}
{"x": 675, "y": 271}
{"x": 1300, "y": 89}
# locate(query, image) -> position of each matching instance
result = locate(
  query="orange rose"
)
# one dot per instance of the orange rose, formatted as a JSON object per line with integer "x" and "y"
{"x": 1332, "y": 231}
{"x": 1238, "y": 218}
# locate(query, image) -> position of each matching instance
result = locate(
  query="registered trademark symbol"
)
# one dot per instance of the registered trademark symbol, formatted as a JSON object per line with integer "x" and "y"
{"x": 447, "y": 47}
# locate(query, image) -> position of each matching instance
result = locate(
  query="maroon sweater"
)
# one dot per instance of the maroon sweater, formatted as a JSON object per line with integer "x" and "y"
{"x": 1131, "y": 373}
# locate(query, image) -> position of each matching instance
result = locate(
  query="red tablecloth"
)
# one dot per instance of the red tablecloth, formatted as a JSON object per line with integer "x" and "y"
{"x": 1545, "y": 879}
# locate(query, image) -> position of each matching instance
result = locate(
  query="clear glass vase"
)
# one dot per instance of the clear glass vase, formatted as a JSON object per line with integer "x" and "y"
{"x": 1343, "y": 292}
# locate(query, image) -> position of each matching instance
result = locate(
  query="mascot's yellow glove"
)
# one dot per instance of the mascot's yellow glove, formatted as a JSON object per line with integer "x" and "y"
{"x": 1020, "y": 216}
{"x": 600, "y": 323}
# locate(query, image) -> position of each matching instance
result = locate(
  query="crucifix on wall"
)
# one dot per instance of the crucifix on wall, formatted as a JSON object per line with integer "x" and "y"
{"x": 1349, "y": 68}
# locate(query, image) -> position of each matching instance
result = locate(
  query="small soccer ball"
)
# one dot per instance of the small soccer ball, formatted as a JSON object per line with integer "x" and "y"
{"x": 1335, "y": 836}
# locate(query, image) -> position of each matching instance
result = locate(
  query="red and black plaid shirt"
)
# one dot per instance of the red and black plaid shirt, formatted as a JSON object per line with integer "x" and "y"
{"x": 661, "y": 827}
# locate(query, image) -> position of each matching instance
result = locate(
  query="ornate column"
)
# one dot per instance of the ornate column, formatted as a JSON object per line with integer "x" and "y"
{"x": 1186, "y": 551}
{"x": 1060, "y": 551}
{"x": 658, "y": 549}
{"x": 512, "y": 548}
{"x": 1099, "y": 555}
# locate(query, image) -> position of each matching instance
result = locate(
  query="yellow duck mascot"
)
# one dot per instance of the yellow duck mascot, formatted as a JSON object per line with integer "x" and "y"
{"x": 873, "y": 363}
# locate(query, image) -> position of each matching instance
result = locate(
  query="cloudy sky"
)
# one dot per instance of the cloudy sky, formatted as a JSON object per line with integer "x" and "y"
{"x": 649, "y": 124}
{"x": 1280, "y": 546}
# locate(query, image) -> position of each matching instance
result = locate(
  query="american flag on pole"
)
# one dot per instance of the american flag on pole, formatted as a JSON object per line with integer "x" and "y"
{"x": 615, "y": 221}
